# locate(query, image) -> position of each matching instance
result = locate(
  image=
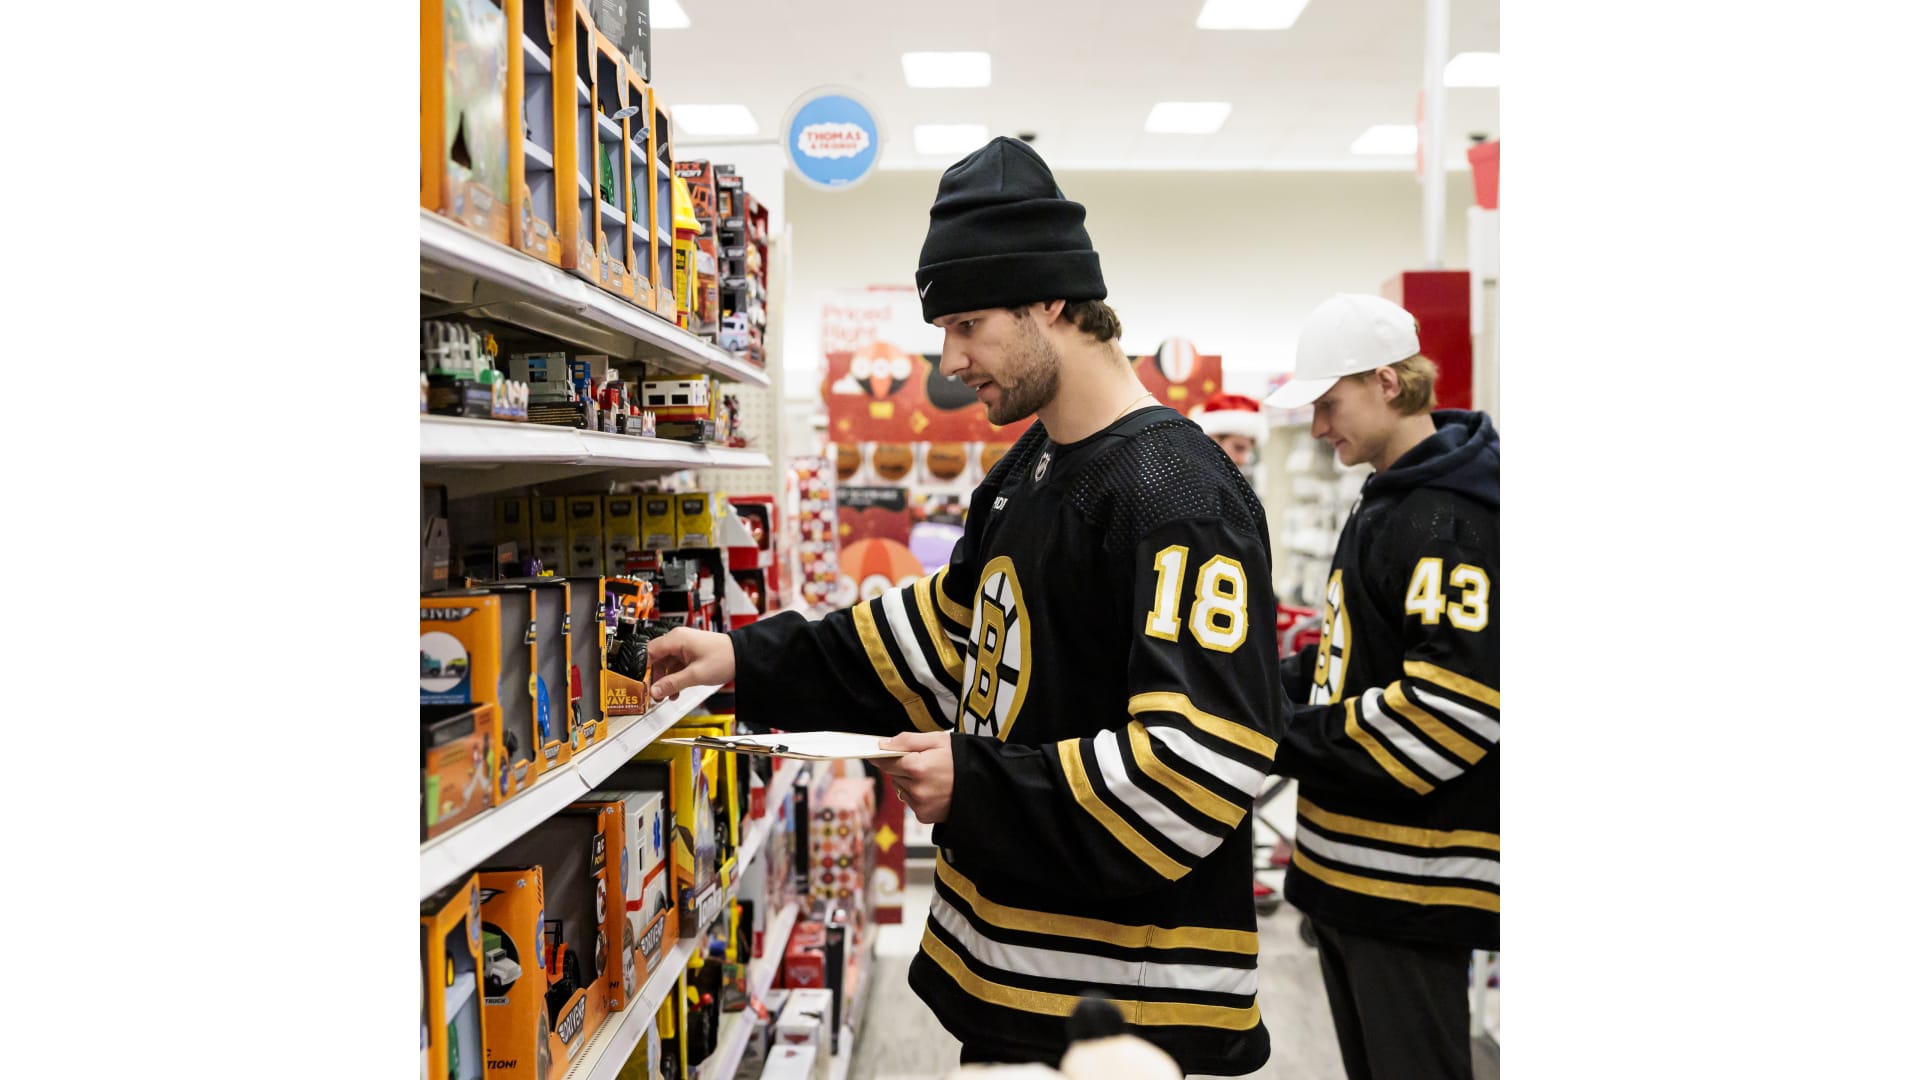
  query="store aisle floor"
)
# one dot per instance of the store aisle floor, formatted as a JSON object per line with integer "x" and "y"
{"x": 900, "y": 1039}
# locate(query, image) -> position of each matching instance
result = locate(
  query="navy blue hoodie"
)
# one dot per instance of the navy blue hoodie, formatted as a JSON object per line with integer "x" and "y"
{"x": 1395, "y": 730}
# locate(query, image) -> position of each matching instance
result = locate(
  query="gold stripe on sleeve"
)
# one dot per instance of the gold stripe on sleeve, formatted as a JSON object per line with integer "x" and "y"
{"x": 1238, "y": 734}
{"x": 1091, "y": 802}
{"x": 1380, "y": 754}
{"x": 1466, "y": 750}
{"x": 1459, "y": 684}
{"x": 1395, "y": 890}
{"x": 1397, "y": 834}
{"x": 949, "y": 657}
{"x": 1196, "y": 796}
{"x": 890, "y": 675}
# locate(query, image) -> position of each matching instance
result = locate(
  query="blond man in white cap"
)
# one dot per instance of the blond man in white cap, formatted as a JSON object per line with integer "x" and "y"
{"x": 1395, "y": 735}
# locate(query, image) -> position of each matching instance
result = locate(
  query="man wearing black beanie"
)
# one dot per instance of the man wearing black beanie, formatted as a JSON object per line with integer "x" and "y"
{"x": 1089, "y": 687}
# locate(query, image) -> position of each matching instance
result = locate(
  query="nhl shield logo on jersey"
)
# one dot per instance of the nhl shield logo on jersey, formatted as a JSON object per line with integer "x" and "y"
{"x": 1330, "y": 668}
{"x": 999, "y": 653}
{"x": 1040, "y": 470}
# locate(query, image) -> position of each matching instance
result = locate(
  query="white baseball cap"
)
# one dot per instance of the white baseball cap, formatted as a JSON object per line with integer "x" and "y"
{"x": 1346, "y": 335}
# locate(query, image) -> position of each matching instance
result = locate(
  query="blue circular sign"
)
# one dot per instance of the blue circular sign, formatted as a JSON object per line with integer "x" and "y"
{"x": 832, "y": 138}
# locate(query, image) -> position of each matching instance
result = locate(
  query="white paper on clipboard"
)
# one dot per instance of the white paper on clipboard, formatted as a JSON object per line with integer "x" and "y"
{"x": 805, "y": 745}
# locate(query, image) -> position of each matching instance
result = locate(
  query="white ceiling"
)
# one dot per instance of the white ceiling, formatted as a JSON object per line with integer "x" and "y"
{"x": 1083, "y": 74}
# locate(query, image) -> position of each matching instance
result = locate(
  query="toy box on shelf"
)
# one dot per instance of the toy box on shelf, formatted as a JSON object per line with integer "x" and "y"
{"x": 644, "y": 193}
{"x": 526, "y": 715}
{"x": 705, "y": 819}
{"x": 631, "y": 615}
{"x": 665, "y": 302}
{"x": 645, "y": 792}
{"x": 535, "y": 111}
{"x": 577, "y": 851}
{"x": 458, "y": 746}
{"x": 575, "y": 142}
{"x": 450, "y": 978}
{"x": 587, "y": 642}
{"x": 551, "y": 636}
{"x": 612, "y": 173}
{"x": 704, "y": 192}
{"x": 686, "y": 410}
{"x": 462, "y": 662}
{"x": 520, "y": 1039}
{"x": 464, "y": 59}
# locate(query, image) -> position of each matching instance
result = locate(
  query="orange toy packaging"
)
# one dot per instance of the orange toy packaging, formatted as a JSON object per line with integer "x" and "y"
{"x": 640, "y": 186}
{"x": 571, "y": 849}
{"x": 450, "y": 974}
{"x": 460, "y": 664}
{"x": 645, "y": 790}
{"x": 520, "y": 1042}
{"x": 458, "y": 746}
{"x": 534, "y": 114}
{"x": 552, "y": 663}
{"x": 612, "y": 175}
{"x": 525, "y": 729}
{"x": 587, "y": 641}
{"x": 705, "y": 829}
{"x": 664, "y": 303}
{"x": 574, "y": 142}
{"x": 612, "y": 854}
{"x": 464, "y": 59}
{"x": 626, "y": 679}
{"x": 703, "y": 189}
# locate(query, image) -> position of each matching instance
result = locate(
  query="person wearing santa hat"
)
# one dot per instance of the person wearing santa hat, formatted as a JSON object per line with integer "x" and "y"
{"x": 1234, "y": 421}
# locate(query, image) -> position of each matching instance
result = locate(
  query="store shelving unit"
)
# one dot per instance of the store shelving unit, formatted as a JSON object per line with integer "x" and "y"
{"x": 463, "y": 273}
{"x": 724, "y": 1063}
{"x": 607, "y": 1050}
{"x": 446, "y": 857}
{"x": 476, "y": 457}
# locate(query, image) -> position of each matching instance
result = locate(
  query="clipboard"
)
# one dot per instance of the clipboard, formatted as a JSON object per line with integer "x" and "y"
{"x": 802, "y": 746}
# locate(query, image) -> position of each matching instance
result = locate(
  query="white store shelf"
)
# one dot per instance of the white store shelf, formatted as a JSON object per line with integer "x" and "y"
{"x": 481, "y": 278}
{"x": 724, "y": 1062}
{"x": 445, "y": 858}
{"x": 607, "y": 1050}
{"x": 614, "y": 216}
{"x": 773, "y": 949}
{"x": 537, "y": 58}
{"x": 538, "y": 155}
{"x": 610, "y": 129}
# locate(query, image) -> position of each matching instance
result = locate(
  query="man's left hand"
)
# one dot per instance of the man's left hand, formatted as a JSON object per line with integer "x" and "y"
{"x": 924, "y": 778}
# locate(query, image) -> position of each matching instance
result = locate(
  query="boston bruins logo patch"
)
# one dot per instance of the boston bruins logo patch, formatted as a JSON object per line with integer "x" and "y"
{"x": 999, "y": 653}
{"x": 1330, "y": 667}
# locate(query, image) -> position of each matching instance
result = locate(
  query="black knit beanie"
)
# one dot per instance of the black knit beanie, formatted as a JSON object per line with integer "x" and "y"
{"x": 1002, "y": 234}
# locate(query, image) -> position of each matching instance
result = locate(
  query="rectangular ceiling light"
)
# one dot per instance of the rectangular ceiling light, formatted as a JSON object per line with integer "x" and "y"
{"x": 1249, "y": 14}
{"x": 1188, "y": 117}
{"x": 669, "y": 15}
{"x": 948, "y": 138}
{"x": 1394, "y": 140}
{"x": 715, "y": 120}
{"x": 947, "y": 69}
{"x": 1474, "y": 69}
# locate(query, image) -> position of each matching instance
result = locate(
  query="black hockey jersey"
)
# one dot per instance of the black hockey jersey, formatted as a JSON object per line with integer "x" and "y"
{"x": 1398, "y": 754}
{"x": 1103, "y": 645}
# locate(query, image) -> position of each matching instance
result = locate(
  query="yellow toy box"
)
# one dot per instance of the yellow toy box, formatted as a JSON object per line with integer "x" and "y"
{"x": 659, "y": 526}
{"x": 461, "y": 663}
{"x": 463, "y": 111}
{"x": 549, "y": 530}
{"x": 513, "y": 524}
{"x": 450, "y": 974}
{"x": 572, "y": 850}
{"x": 705, "y": 829}
{"x": 697, "y": 520}
{"x": 620, "y": 524}
{"x": 586, "y": 545}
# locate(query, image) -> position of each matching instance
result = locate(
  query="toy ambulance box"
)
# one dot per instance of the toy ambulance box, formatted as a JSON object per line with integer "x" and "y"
{"x": 645, "y": 789}
{"x": 705, "y": 833}
{"x": 614, "y": 853}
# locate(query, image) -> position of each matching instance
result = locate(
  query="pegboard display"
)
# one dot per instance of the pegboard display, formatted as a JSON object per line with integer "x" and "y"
{"x": 760, "y": 426}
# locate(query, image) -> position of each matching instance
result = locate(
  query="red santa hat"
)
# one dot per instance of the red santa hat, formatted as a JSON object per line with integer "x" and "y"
{"x": 1232, "y": 414}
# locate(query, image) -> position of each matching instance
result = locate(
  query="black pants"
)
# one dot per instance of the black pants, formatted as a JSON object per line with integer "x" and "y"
{"x": 1399, "y": 1008}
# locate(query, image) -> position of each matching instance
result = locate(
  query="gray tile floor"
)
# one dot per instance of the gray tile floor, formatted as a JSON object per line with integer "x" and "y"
{"x": 900, "y": 1040}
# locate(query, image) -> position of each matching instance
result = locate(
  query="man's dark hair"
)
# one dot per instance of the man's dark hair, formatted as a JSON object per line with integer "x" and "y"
{"x": 1093, "y": 317}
